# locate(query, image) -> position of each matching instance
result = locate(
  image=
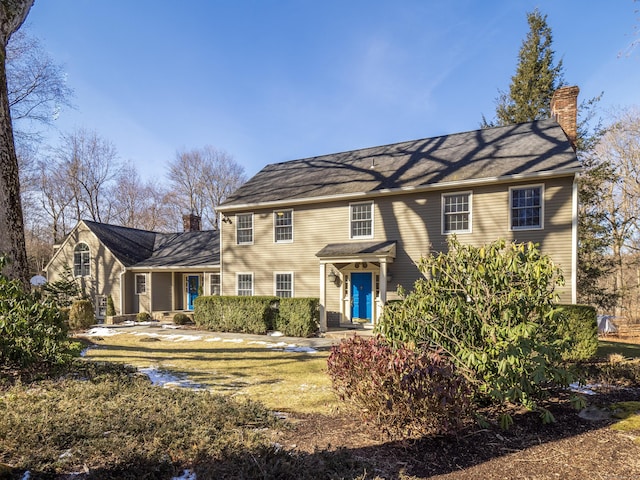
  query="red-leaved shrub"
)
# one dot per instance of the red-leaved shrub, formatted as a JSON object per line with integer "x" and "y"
{"x": 401, "y": 391}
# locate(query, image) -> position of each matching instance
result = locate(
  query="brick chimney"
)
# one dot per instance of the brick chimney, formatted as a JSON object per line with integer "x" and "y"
{"x": 564, "y": 109}
{"x": 191, "y": 223}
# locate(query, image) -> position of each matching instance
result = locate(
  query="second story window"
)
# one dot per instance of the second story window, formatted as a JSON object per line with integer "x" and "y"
{"x": 283, "y": 226}
{"x": 81, "y": 260}
{"x": 526, "y": 207}
{"x": 456, "y": 212}
{"x": 361, "y": 220}
{"x": 244, "y": 228}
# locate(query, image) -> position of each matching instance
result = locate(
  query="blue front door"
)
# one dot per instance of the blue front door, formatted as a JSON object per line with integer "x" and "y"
{"x": 361, "y": 295}
{"x": 193, "y": 284}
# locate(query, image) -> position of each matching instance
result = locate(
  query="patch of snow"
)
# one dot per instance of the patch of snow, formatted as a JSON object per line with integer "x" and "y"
{"x": 130, "y": 323}
{"x": 213, "y": 339}
{"x": 183, "y": 338}
{"x": 276, "y": 333}
{"x": 291, "y": 347}
{"x": 163, "y": 378}
{"x": 26, "y": 475}
{"x": 233, "y": 340}
{"x": 171, "y": 327}
{"x": 100, "y": 332}
{"x": 584, "y": 389}
{"x": 186, "y": 475}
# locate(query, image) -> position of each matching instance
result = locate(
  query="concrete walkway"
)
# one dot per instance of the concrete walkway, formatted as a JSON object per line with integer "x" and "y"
{"x": 324, "y": 341}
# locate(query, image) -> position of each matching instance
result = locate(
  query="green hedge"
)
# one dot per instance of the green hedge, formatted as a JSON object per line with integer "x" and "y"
{"x": 579, "y": 324}
{"x": 298, "y": 317}
{"x": 236, "y": 314}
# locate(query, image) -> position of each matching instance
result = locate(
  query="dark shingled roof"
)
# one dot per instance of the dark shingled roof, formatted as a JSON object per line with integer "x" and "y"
{"x": 143, "y": 248}
{"x": 357, "y": 248}
{"x": 522, "y": 149}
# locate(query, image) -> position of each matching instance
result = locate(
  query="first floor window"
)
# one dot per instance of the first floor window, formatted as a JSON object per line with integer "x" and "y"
{"x": 245, "y": 284}
{"x": 141, "y": 283}
{"x": 215, "y": 284}
{"x": 244, "y": 228}
{"x": 81, "y": 260}
{"x": 361, "y": 220}
{"x": 102, "y": 306}
{"x": 526, "y": 207}
{"x": 284, "y": 285}
{"x": 456, "y": 212}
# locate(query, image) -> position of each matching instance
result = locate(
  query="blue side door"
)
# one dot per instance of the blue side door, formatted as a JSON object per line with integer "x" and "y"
{"x": 193, "y": 285}
{"x": 361, "y": 295}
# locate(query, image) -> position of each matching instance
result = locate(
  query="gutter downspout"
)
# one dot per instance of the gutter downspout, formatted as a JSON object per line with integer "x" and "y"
{"x": 122, "y": 272}
{"x": 574, "y": 241}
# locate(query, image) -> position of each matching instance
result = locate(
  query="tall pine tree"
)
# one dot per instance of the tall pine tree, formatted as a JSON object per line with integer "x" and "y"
{"x": 536, "y": 78}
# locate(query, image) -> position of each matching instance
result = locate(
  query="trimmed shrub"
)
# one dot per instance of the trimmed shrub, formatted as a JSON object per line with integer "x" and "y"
{"x": 578, "y": 324}
{"x": 143, "y": 317}
{"x": 298, "y": 317}
{"x": 236, "y": 314}
{"x": 111, "y": 308}
{"x": 81, "y": 315}
{"x": 399, "y": 390}
{"x": 181, "y": 319}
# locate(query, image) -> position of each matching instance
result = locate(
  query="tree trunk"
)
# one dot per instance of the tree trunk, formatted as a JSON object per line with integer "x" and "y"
{"x": 12, "y": 240}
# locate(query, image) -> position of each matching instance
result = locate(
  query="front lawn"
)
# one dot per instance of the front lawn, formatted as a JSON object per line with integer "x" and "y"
{"x": 282, "y": 378}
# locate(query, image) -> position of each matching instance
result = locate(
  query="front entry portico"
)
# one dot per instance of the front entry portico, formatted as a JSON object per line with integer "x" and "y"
{"x": 353, "y": 280}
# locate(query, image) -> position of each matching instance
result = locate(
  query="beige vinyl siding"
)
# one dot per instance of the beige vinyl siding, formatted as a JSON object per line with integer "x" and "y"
{"x": 160, "y": 286}
{"x": 105, "y": 269}
{"x": 414, "y": 220}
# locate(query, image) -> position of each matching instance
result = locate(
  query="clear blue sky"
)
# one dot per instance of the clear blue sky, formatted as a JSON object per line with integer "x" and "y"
{"x": 275, "y": 80}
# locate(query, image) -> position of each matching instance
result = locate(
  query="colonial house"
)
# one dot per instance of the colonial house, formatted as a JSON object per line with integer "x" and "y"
{"x": 350, "y": 227}
{"x": 143, "y": 271}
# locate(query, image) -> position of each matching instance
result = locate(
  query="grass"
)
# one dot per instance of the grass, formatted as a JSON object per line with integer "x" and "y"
{"x": 283, "y": 381}
{"x": 627, "y": 350}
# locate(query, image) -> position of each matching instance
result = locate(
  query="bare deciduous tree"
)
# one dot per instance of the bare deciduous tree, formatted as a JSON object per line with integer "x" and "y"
{"x": 619, "y": 148}
{"x": 90, "y": 165}
{"x": 138, "y": 204}
{"x": 200, "y": 180}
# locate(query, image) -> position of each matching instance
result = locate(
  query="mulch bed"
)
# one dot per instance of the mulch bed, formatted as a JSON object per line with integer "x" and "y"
{"x": 571, "y": 448}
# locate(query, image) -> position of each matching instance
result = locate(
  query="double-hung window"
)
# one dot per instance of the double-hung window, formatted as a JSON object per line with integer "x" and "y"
{"x": 141, "y": 283}
{"x": 283, "y": 226}
{"x": 284, "y": 285}
{"x": 81, "y": 260}
{"x": 244, "y": 284}
{"x": 244, "y": 228}
{"x": 215, "y": 284}
{"x": 456, "y": 212}
{"x": 526, "y": 205}
{"x": 361, "y": 220}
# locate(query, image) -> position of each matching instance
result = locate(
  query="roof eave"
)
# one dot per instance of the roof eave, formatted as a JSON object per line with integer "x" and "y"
{"x": 402, "y": 190}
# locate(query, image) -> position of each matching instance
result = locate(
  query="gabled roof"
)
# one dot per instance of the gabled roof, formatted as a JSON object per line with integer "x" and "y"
{"x": 500, "y": 153}
{"x": 189, "y": 249}
{"x": 143, "y": 248}
{"x": 129, "y": 245}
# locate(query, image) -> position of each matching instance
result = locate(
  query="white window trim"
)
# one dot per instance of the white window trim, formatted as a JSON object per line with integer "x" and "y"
{"x": 275, "y": 284}
{"x": 81, "y": 264}
{"x": 253, "y": 229}
{"x": 442, "y": 213}
{"x": 372, "y": 204}
{"x": 238, "y": 282}
{"x": 542, "y": 202}
{"x": 135, "y": 286}
{"x": 274, "y": 225}
{"x": 219, "y": 283}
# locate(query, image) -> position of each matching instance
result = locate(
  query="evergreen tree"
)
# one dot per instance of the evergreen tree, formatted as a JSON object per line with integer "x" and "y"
{"x": 536, "y": 78}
